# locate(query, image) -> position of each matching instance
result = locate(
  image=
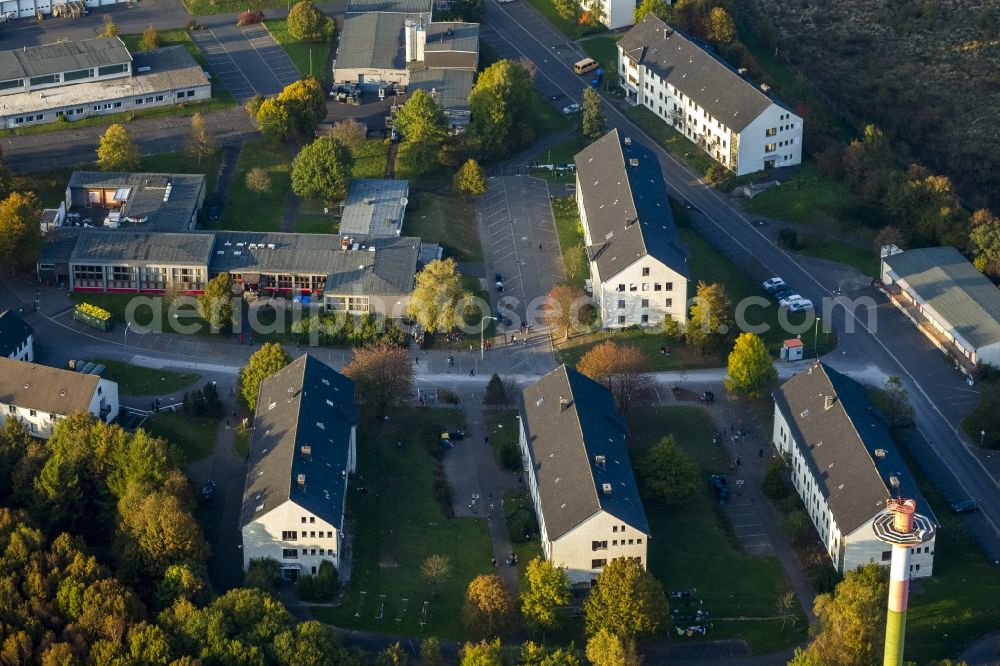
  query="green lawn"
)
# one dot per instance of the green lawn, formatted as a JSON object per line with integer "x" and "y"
{"x": 570, "y": 232}
{"x": 603, "y": 49}
{"x": 152, "y": 312}
{"x": 245, "y": 210}
{"x": 447, "y": 219}
{"x": 136, "y": 380}
{"x": 371, "y": 159}
{"x": 208, "y": 7}
{"x": 693, "y": 547}
{"x": 548, "y": 119}
{"x": 241, "y": 442}
{"x": 836, "y": 250}
{"x": 194, "y": 437}
{"x": 49, "y": 186}
{"x": 571, "y": 29}
{"x": 502, "y": 428}
{"x": 315, "y": 224}
{"x": 671, "y": 139}
{"x": 397, "y": 524}
{"x": 563, "y": 152}
{"x": 308, "y": 57}
{"x": 180, "y": 162}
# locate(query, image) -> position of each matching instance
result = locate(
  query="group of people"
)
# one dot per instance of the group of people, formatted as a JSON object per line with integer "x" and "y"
{"x": 511, "y": 560}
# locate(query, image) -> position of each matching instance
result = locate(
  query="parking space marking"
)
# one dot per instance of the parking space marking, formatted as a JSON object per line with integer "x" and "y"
{"x": 223, "y": 66}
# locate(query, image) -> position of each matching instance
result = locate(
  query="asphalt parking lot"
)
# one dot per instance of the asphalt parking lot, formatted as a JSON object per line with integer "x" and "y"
{"x": 273, "y": 55}
{"x": 223, "y": 66}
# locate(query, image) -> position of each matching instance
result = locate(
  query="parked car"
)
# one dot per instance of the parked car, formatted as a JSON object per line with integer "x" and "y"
{"x": 208, "y": 490}
{"x": 571, "y": 109}
{"x": 782, "y": 293}
{"x": 456, "y": 435}
{"x": 214, "y": 212}
{"x": 963, "y": 505}
{"x": 773, "y": 284}
{"x": 498, "y": 277}
{"x": 801, "y": 305}
{"x": 789, "y": 299}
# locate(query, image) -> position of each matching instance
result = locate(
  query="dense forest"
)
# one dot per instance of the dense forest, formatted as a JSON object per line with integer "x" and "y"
{"x": 102, "y": 562}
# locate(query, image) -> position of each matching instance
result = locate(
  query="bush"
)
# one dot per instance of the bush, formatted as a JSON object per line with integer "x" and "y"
{"x": 322, "y": 586}
{"x": 510, "y": 456}
{"x": 522, "y": 526}
{"x": 716, "y": 174}
{"x": 826, "y": 578}
{"x": 797, "y": 526}
{"x": 775, "y": 485}
{"x": 249, "y": 17}
{"x": 442, "y": 491}
{"x": 263, "y": 574}
{"x": 790, "y": 239}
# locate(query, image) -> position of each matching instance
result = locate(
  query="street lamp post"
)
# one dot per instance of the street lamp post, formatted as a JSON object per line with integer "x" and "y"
{"x": 816, "y": 338}
{"x": 125, "y": 352}
{"x": 482, "y": 340}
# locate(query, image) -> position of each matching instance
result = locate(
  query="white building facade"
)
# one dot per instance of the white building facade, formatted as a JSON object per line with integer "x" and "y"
{"x": 17, "y": 339}
{"x": 739, "y": 124}
{"x": 838, "y": 485}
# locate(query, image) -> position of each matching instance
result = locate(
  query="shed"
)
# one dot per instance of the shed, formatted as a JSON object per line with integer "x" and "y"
{"x": 792, "y": 350}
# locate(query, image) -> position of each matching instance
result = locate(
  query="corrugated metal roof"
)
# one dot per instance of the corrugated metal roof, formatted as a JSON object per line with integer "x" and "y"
{"x": 146, "y": 192}
{"x": 961, "y": 295}
{"x": 373, "y": 208}
{"x": 628, "y": 213}
{"x": 62, "y": 57}
{"x": 390, "y": 6}
{"x": 374, "y": 40}
{"x": 445, "y": 36}
{"x": 142, "y": 247}
{"x": 449, "y": 88}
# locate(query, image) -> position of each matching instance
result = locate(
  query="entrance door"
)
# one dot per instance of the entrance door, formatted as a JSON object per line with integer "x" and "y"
{"x": 768, "y": 164}
{"x": 290, "y": 574}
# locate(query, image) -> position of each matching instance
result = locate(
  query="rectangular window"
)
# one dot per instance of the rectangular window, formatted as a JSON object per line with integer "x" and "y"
{"x": 669, "y": 303}
{"x": 614, "y": 542}
{"x": 644, "y": 319}
{"x": 631, "y": 286}
{"x": 13, "y": 83}
{"x": 314, "y": 571}
{"x": 138, "y": 100}
{"x": 290, "y": 553}
{"x": 670, "y": 286}
{"x": 32, "y": 412}
{"x": 159, "y": 98}
{"x": 597, "y": 564}
{"x": 312, "y": 534}
{"x": 614, "y": 528}
{"x": 598, "y": 545}
{"x": 645, "y": 302}
{"x": 631, "y": 542}
{"x": 112, "y": 69}
{"x": 621, "y": 304}
{"x": 621, "y": 319}
{"x": 329, "y": 535}
{"x": 12, "y": 409}
{"x": 886, "y": 555}
{"x": 771, "y": 131}
{"x": 621, "y": 287}
{"x": 645, "y": 271}
{"x": 638, "y": 542}
{"x": 312, "y": 519}
{"x": 77, "y": 75}
{"x": 645, "y": 286}
{"x": 180, "y": 95}
{"x": 313, "y": 551}
{"x": 770, "y": 148}
{"x": 117, "y": 105}
{"x": 303, "y": 519}
{"x": 657, "y": 286}
{"x": 322, "y": 551}
{"x": 289, "y": 535}
{"x": 42, "y": 80}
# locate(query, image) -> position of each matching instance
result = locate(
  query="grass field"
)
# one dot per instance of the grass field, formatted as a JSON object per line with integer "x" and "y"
{"x": 571, "y": 29}
{"x": 397, "y": 524}
{"x": 812, "y": 199}
{"x": 208, "y": 7}
{"x": 194, "y": 437}
{"x": 814, "y": 245}
{"x": 548, "y": 119}
{"x": 49, "y": 186}
{"x": 563, "y": 152}
{"x": 241, "y": 442}
{"x": 245, "y": 210}
{"x": 693, "y": 546}
{"x": 371, "y": 159}
{"x": 447, "y": 219}
{"x": 678, "y": 144}
{"x": 570, "y": 232}
{"x": 136, "y": 380}
{"x": 603, "y": 49}
{"x": 180, "y": 162}
{"x": 152, "y": 312}
{"x": 308, "y": 57}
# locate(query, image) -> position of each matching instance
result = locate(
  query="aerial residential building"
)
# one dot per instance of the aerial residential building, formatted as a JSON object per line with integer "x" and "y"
{"x": 39, "y": 395}
{"x": 92, "y": 77}
{"x": 578, "y": 473}
{"x": 952, "y": 303}
{"x": 637, "y": 266}
{"x": 17, "y": 339}
{"x": 844, "y": 465}
{"x": 302, "y": 451}
{"x": 740, "y": 124}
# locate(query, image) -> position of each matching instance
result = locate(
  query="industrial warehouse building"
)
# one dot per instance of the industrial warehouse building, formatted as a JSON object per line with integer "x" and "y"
{"x": 303, "y": 448}
{"x": 578, "y": 473}
{"x": 74, "y": 80}
{"x": 844, "y": 465}
{"x": 32, "y": 8}
{"x": 741, "y": 125}
{"x": 952, "y": 303}
{"x": 637, "y": 266}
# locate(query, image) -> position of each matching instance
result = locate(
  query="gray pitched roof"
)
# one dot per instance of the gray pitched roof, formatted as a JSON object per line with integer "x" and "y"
{"x": 59, "y": 245}
{"x": 305, "y": 403}
{"x": 13, "y": 332}
{"x": 373, "y": 208}
{"x": 962, "y": 296}
{"x": 390, "y": 6}
{"x": 172, "y": 67}
{"x": 62, "y": 57}
{"x": 145, "y": 192}
{"x": 452, "y": 44}
{"x": 388, "y": 271}
{"x": 621, "y": 184}
{"x": 142, "y": 247}
{"x": 847, "y": 447}
{"x": 372, "y": 40}
{"x": 449, "y": 88}
{"x": 49, "y": 390}
{"x": 563, "y": 442}
{"x": 696, "y": 72}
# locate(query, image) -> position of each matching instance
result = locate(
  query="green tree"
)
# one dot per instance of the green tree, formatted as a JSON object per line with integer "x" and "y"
{"x": 215, "y": 304}
{"x": 533, "y": 654}
{"x": 437, "y": 299}
{"x": 116, "y": 150}
{"x": 496, "y": 394}
{"x": 481, "y": 654}
{"x": 430, "y": 652}
{"x": 605, "y": 648}
{"x": 470, "y": 179}
{"x": 626, "y": 600}
{"x": 20, "y": 232}
{"x": 895, "y": 404}
{"x": 6, "y": 179}
{"x": 422, "y": 124}
{"x": 181, "y": 581}
{"x": 262, "y": 364}
{"x": 257, "y": 180}
{"x": 349, "y": 132}
{"x": 163, "y": 529}
{"x": 593, "y": 124}
{"x": 622, "y": 369}
{"x": 595, "y": 14}
{"x": 850, "y": 623}
{"x": 243, "y": 626}
{"x": 711, "y": 321}
{"x": 775, "y": 484}
{"x": 984, "y": 239}
{"x": 436, "y": 569}
{"x": 306, "y": 22}
{"x": 263, "y": 574}
{"x": 563, "y": 308}
{"x": 272, "y": 116}
{"x": 668, "y": 473}
{"x": 750, "y": 372}
{"x": 658, "y": 8}
{"x": 568, "y": 9}
{"x": 150, "y": 39}
{"x": 200, "y": 144}
{"x": 721, "y": 28}
{"x": 110, "y": 28}
{"x": 394, "y": 655}
{"x": 382, "y": 374}
{"x": 109, "y": 609}
{"x": 322, "y": 171}
{"x": 305, "y": 102}
{"x": 310, "y": 643}
{"x": 148, "y": 644}
{"x": 501, "y": 106}
{"x": 487, "y": 605}
{"x": 546, "y": 589}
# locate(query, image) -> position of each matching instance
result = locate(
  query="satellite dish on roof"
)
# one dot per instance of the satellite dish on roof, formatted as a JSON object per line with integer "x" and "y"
{"x": 404, "y": 201}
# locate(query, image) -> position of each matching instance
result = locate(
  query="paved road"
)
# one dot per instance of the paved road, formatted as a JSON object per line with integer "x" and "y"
{"x": 939, "y": 395}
